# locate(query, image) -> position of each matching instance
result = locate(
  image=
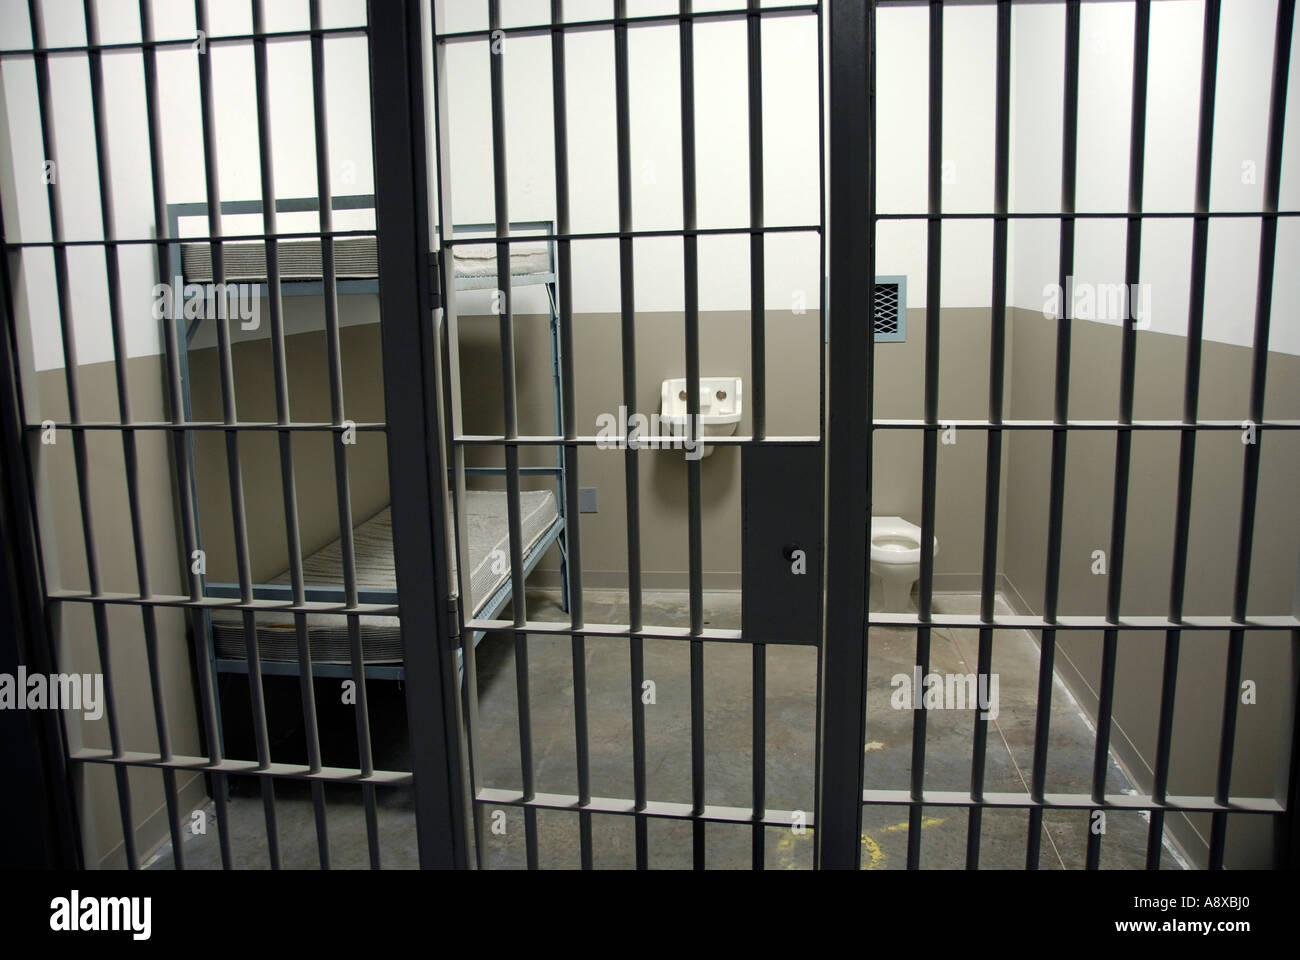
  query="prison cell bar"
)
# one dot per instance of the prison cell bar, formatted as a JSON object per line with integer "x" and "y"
{"x": 496, "y": 59}
{"x": 416, "y": 470}
{"x": 66, "y": 328}
{"x": 1060, "y": 434}
{"x": 1259, "y": 368}
{"x": 285, "y": 438}
{"x": 180, "y": 443}
{"x": 573, "y": 533}
{"x": 848, "y": 440}
{"x": 758, "y": 393}
{"x": 342, "y": 483}
{"x": 243, "y": 564}
{"x": 1187, "y": 438}
{"x": 993, "y": 462}
{"x": 1123, "y": 435}
{"x": 130, "y": 458}
{"x": 627, "y": 310}
{"x": 695, "y": 520}
{"x": 930, "y": 434}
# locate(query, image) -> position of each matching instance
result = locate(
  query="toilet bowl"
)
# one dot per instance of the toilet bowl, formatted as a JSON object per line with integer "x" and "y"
{"x": 896, "y": 560}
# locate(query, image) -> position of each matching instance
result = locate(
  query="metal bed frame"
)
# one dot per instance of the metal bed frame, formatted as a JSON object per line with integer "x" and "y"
{"x": 291, "y": 287}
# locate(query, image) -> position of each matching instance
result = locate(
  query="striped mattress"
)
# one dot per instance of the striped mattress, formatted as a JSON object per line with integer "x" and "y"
{"x": 488, "y": 533}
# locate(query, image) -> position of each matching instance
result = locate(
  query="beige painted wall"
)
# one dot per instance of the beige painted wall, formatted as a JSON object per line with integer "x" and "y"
{"x": 65, "y": 560}
{"x": 308, "y": 377}
{"x": 793, "y": 351}
{"x": 1263, "y": 729}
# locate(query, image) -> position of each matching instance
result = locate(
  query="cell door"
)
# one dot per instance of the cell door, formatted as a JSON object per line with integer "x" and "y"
{"x": 633, "y": 419}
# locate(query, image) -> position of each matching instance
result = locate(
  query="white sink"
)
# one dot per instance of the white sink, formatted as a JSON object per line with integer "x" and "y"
{"x": 720, "y": 408}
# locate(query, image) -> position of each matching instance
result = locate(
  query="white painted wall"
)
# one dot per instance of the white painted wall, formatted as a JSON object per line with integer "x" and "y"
{"x": 790, "y": 148}
{"x": 25, "y": 209}
{"x": 1237, "y": 172}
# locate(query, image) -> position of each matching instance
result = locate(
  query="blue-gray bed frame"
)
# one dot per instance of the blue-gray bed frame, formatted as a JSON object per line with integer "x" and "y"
{"x": 553, "y": 535}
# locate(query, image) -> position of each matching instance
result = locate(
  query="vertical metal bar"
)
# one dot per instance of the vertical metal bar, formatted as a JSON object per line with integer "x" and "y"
{"x": 283, "y": 416}
{"x": 757, "y": 246}
{"x": 1187, "y": 437}
{"x": 130, "y": 458}
{"x": 343, "y": 488}
{"x": 1124, "y": 436}
{"x": 695, "y": 513}
{"x": 627, "y": 312}
{"x": 824, "y": 296}
{"x": 415, "y": 461}
{"x": 929, "y": 456}
{"x": 572, "y": 531}
{"x": 505, "y": 293}
{"x": 180, "y": 440}
{"x": 235, "y": 471}
{"x": 758, "y": 389}
{"x": 446, "y": 341}
{"x": 70, "y": 363}
{"x": 1060, "y": 432}
{"x": 1259, "y": 370}
{"x": 993, "y": 464}
{"x": 842, "y": 705}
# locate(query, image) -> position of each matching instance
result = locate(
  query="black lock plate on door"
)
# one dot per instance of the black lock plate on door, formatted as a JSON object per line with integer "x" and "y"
{"x": 781, "y": 567}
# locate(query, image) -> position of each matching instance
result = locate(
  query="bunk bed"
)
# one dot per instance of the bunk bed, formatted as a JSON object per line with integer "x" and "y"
{"x": 489, "y": 580}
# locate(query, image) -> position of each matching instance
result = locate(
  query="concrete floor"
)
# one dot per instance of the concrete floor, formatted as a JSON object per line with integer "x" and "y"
{"x": 791, "y": 699}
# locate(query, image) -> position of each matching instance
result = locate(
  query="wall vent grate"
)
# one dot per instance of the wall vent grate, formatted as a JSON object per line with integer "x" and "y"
{"x": 889, "y": 318}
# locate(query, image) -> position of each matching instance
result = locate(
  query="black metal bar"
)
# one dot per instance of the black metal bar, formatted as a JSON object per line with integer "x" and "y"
{"x": 130, "y": 458}
{"x": 505, "y": 310}
{"x": 181, "y": 441}
{"x": 1259, "y": 370}
{"x": 627, "y": 310}
{"x": 993, "y": 464}
{"x": 146, "y": 46}
{"x": 1187, "y": 439}
{"x": 695, "y": 512}
{"x": 361, "y": 707}
{"x": 929, "y": 455}
{"x": 416, "y": 470}
{"x": 572, "y": 532}
{"x": 66, "y": 327}
{"x": 621, "y": 21}
{"x": 1124, "y": 437}
{"x": 842, "y": 706}
{"x": 1060, "y": 434}
{"x": 279, "y": 365}
{"x": 757, "y": 248}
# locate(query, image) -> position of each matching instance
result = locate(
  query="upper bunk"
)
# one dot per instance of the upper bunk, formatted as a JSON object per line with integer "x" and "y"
{"x": 473, "y": 250}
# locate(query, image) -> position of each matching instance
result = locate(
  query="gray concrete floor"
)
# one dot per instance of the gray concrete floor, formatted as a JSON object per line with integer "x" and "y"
{"x": 791, "y": 723}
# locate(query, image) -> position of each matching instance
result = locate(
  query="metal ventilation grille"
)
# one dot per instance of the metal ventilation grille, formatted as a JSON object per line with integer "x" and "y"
{"x": 889, "y": 317}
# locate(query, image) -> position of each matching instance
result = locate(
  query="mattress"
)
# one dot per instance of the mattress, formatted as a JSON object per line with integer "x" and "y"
{"x": 480, "y": 259}
{"x": 354, "y": 258}
{"x": 488, "y": 534}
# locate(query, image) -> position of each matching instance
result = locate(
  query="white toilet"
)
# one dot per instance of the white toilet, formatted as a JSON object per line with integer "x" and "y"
{"x": 896, "y": 560}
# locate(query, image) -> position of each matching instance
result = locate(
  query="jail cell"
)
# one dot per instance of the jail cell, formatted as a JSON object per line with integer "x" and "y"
{"x": 624, "y": 434}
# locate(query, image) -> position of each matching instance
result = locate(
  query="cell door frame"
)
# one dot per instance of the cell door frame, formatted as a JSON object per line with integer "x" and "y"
{"x": 836, "y": 787}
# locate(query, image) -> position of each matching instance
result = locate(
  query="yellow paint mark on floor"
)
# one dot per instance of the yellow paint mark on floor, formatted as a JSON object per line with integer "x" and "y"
{"x": 875, "y": 856}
